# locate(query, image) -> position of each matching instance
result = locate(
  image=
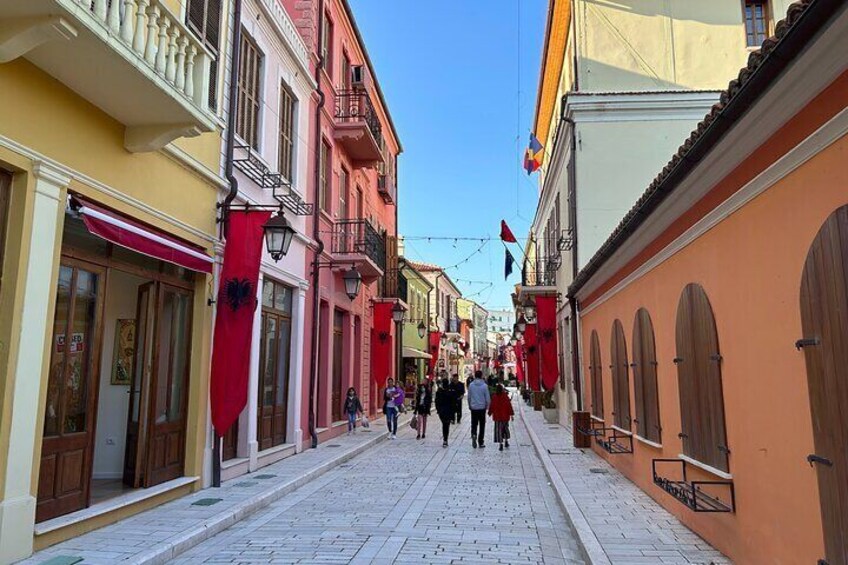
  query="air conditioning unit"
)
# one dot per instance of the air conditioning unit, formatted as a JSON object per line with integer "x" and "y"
{"x": 358, "y": 76}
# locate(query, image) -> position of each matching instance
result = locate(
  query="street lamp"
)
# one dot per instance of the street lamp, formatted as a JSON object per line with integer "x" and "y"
{"x": 278, "y": 236}
{"x": 352, "y": 282}
{"x": 444, "y": 340}
{"x": 521, "y": 325}
{"x": 398, "y": 313}
{"x": 422, "y": 330}
{"x": 529, "y": 309}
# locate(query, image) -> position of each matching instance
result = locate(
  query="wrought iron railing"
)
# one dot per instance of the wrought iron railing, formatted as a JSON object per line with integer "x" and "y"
{"x": 613, "y": 441}
{"x": 699, "y": 496}
{"x": 543, "y": 275}
{"x": 354, "y": 106}
{"x": 359, "y": 237}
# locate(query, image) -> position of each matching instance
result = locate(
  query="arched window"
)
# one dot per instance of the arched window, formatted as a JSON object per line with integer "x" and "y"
{"x": 620, "y": 377}
{"x": 699, "y": 372}
{"x": 645, "y": 378}
{"x": 824, "y": 299}
{"x": 595, "y": 374}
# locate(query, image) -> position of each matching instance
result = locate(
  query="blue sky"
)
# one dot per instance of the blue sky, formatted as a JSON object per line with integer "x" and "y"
{"x": 451, "y": 72}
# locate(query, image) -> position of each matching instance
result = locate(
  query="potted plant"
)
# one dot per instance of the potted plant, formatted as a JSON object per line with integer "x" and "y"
{"x": 549, "y": 407}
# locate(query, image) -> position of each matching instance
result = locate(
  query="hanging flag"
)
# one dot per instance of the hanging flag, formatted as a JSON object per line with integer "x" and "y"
{"x": 533, "y": 157}
{"x": 531, "y": 354}
{"x": 508, "y": 262}
{"x": 519, "y": 361}
{"x": 381, "y": 343}
{"x": 506, "y": 233}
{"x": 435, "y": 345}
{"x": 546, "y": 321}
{"x": 237, "y": 296}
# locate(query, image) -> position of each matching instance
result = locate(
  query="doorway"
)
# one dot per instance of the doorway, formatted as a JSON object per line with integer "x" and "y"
{"x": 338, "y": 365}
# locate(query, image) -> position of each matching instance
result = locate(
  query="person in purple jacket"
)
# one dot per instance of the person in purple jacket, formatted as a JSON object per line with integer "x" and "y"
{"x": 392, "y": 402}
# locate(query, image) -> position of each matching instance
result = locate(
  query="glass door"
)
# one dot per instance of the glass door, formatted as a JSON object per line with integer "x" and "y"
{"x": 140, "y": 386}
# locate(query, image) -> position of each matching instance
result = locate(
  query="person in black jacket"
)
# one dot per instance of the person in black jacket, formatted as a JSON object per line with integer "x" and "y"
{"x": 352, "y": 407}
{"x": 458, "y": 390}
{"x": 422, "y": 404}
{"x": 445, "y": 408}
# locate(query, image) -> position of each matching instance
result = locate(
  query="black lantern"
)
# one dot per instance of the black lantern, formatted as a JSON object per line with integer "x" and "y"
{"x": 352, "y": 282}
{"x": 278, "y": 236}
{"x": 521, "y": 325}
{"x": 398, "y": 312}
{"x": 529, "y": 309}
{"x": 422, "y": 330}
{"x": 444, "y": 340}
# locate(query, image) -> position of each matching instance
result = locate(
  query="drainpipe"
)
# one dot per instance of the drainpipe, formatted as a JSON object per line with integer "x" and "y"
{"x": 572, "y": 301}
{"x": 228, "y": 172}
{"x": 316, "y": 232}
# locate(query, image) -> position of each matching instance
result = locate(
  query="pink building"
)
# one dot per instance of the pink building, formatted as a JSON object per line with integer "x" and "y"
{"x": 354, "y": 157}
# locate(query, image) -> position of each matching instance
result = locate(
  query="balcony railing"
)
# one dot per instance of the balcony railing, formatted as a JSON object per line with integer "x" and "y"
{"x": 358, "y": 237}
{"x": 355, "y": 106}
{"x": 543, "y": 275}
{"x": 358, "y": 127}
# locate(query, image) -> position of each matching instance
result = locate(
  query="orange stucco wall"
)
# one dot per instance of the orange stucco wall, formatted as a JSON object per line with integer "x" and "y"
{"x": 750, "y": 265}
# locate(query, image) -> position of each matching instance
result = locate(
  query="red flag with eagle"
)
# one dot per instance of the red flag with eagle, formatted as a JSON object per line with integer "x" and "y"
{"x": 519, "y": 361}
{"x": 434, "y": 344}
{"x": 506, "y": 233}
{"x": 381, "y": 343}
{"x": 236, "y": 304}
{"x": 546, "y": 321}
{"x": 531, "y": 354}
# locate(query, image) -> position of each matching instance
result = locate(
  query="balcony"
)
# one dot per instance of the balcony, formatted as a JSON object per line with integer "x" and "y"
{"x": 541, "y": 280}
{"x": 357, "y": 241}
{"x": 358, "y": 128}
{"x": 133, "y": 59}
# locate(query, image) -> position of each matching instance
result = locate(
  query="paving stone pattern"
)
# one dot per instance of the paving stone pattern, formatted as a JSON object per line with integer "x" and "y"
{"x": 630, "y": 526}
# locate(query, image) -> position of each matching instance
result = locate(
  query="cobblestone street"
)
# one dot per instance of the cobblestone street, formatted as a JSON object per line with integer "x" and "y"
{"x": 409, "y": 501}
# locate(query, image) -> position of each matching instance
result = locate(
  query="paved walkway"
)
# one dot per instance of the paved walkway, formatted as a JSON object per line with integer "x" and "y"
{"x": 616, "y": 521}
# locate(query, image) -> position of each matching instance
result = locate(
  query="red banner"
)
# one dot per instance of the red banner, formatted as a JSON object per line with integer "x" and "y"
{"x": 435, "y": 344}
{"x": 234, "y": 319}
{"x": 519, "y": 361}
{"x": 381, "y": 343}
{"x": 546, "y": 320}
{"x": 532, "y": 357}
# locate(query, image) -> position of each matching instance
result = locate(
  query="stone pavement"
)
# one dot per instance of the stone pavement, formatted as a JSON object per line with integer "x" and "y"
{"x": 617, "y": 523}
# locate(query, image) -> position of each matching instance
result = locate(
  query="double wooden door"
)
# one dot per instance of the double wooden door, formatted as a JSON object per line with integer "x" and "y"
{"x": 338, "y": 365}
{"x": 156, "y": 423}
{"x": 824, "y": 318}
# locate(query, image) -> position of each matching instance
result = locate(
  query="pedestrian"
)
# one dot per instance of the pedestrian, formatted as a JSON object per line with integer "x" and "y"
{"x": 422, "y": 406}
{"x": 458, "y": 390}
{"x": 352, "y": 407}
{"x": 392, "y": 401}
{"x": 445, "y": 407}
{"x": 478, "y": 402}
{"x": 501, "y": 413}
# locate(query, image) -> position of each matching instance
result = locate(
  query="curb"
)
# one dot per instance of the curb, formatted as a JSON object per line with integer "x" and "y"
{"x": 193, "y": 537}
{"x": 592, "y": 550}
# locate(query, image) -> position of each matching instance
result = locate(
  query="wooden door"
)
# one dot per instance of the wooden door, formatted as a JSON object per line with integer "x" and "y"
{"x": 338, "y": 364}
{"x": 645, "y": 378}
{"x": 699, "y": 373}
{"x": 596, "y": 375}
{"x": 824, "y": 318}
{"x": 229, "y": 443}
{"x": 70, "y": 411}
{"x": 620, "y": 377}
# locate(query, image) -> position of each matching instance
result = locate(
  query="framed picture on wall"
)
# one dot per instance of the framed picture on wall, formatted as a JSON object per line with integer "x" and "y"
{"x": 122, "y": 358}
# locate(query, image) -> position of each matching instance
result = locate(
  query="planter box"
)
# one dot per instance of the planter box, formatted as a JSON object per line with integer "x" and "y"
{"x": 537, "y": 400}
{"x": 581, "y": 421}
{"x": 551, "y": 415}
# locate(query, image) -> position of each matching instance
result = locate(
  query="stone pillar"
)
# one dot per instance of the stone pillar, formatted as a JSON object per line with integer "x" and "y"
{"x": 248, "y": 431}
{"x": 296, "y": 390}
{"x": 29, "y": 373}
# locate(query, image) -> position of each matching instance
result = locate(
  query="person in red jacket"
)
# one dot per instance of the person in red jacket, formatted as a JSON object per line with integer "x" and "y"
{"x": 501, "y": 412}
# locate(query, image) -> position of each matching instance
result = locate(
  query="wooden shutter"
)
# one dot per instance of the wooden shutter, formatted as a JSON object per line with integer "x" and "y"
{"x": 620, "y": 376}
{"x": 247, "y": 117}
{"x": 286, "y": 153}
{"x": 596, "y": 375}
{"x": 824, "y": 303}
{"x": 391, "y": 288}
{"x": 203, "y": 17}
{"x": 699, "y": 371}
{"x": 645, "y": 378}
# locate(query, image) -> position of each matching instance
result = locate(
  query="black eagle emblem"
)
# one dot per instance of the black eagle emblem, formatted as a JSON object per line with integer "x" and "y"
{"x": 237, "y": 293}
{"x": 383, "y": 337}
{"x": 547, "y": 334}
{"x": 531, "y": 350}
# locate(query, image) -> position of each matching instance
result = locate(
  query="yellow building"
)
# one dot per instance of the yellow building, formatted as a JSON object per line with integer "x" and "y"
{"x": 110, "y": 145}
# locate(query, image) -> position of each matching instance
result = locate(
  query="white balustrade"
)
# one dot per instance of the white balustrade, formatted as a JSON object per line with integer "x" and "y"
{"x": 161, "y": 41}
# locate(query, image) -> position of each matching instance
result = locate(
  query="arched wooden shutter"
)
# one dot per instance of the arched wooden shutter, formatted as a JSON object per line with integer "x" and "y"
{"x": 824, "y": 319}
{"x": 645, "y": 378}
{"x": 620, "y": 376}
{"x": 595, "y": 374}
{"x": 699, "y": 372}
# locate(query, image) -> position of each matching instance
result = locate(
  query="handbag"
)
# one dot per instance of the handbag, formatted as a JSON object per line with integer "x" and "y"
{"x": 365, "y": 423}
{"x": 413, "y": 423}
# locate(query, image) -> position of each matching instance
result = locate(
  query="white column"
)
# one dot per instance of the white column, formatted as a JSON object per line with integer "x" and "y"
{"x": 210, "y": 438}
{"x": 17, "y": 508}
{"x": 296, "y": 391}
{"x": 248, "y": 438}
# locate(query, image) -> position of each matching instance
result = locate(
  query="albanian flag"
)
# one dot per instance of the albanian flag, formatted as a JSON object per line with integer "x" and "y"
{"x": 506, "y": 233}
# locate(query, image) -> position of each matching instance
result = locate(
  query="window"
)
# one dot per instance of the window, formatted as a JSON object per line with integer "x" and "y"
{"x": 342, "y": 212}
{"x": 620, "y": 377}
{"x": 327, "y": 44}
{"x": 645, "y": 378}
{"x": 286, "y": 157}
{"x": 324, "y": 176}
{"x": 247, "y": 116}
{"x": 596, "y": 374}
{"x": 344, "y": 80}
{"x": 274, "y": 363}
{"x": 5, "y": 193}
{"x": 699, "y": 373}
{"x": 756, "y": 22}
{"x": 203, "y": 17}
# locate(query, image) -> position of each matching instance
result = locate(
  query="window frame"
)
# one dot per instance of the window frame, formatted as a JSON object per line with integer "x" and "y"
{"x": 752, "y": 38}
{"x": 280, "y": 318}
{"x": 287, "y": 135}
{"x": 249, "y": 106}
{"x": 327, "y": 42}
{"x": 211, "y": 40}
{"x": 342, "y": 212}
{"x": 5, "y": 204}
{"x": 325, "y": 173}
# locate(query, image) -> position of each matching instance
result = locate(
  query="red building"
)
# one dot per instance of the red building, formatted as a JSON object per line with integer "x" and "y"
{"x": 354, "y": 159}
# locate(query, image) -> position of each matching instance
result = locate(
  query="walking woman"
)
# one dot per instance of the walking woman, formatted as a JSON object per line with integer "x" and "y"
{"x": 422, "y": 406}
{"x": 445, "y": 407}
{"x": 392, "y": 401}
{"x": 501, "y": 412}
{"x": 352, "y": 407}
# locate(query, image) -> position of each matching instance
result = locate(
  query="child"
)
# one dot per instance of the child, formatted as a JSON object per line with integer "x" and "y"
{"x": 352, "y": 407}
{"x": 501, "y": 412}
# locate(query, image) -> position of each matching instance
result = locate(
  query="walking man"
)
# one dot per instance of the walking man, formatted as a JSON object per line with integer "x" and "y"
{"x": 458, "y": 390}
{"x": 445, "y": 407}
{"x": 478, "y": 402}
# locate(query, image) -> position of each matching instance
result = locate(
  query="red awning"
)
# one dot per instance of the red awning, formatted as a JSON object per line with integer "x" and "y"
{"x": 132, "y": 234}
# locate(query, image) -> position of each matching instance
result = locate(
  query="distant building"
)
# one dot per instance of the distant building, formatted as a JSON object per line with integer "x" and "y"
{"x": 501, "y": 324}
